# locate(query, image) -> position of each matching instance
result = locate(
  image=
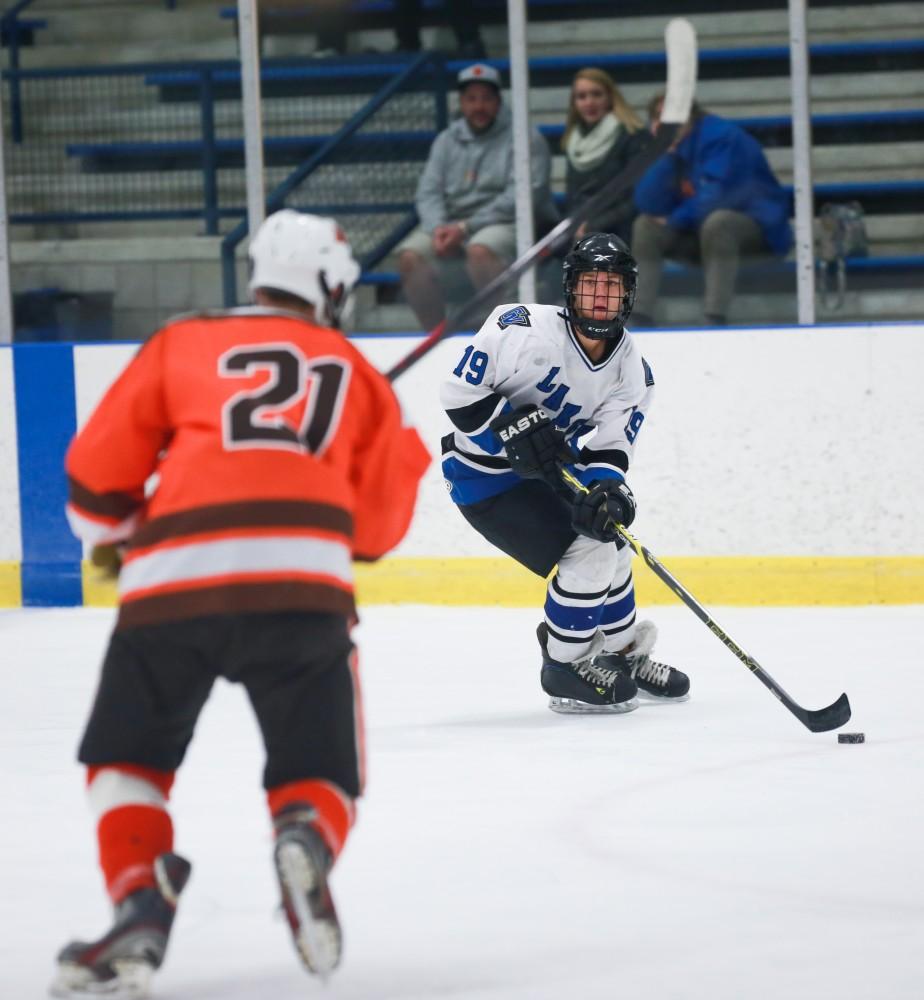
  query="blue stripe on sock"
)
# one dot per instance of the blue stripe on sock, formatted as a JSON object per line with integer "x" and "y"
{"x": 46, "y": 418}
{"x": 565, "y": 618}
{"x": 618, "y": 609}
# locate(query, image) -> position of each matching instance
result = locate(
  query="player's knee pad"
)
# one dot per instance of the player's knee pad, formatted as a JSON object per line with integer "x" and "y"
{"x": 622, "y": 568}
{"x": 588, "y": 566}
{"x": 112, "y": 786}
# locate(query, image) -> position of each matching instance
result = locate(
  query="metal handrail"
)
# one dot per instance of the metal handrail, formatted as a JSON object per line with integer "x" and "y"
{"x": 276, "y": 199}
{"x": 10, "y": 22}
{"x": 14, "y": 11}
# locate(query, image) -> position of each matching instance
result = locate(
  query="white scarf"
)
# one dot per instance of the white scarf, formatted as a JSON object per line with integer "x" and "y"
{"x": 586, "y": 151}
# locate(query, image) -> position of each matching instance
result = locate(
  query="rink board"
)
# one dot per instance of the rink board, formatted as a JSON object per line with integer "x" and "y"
{"x": 777, "y": 466}
{"x": 728, "y": 581}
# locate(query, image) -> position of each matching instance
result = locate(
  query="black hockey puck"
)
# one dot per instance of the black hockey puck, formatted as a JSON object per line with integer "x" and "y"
{"x": 851, "y": 737}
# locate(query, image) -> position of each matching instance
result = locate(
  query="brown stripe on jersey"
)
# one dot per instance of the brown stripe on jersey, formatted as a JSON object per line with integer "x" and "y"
{"x": 236, "y": 598}
{"x": 245, "y": 514}
{"x": 118, "y": 505}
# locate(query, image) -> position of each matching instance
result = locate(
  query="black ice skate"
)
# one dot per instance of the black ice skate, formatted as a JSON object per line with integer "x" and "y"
{"x": 582, "y": 686}
{"x": 302, "y": 862}
{"x": 656, "y": 680}
{"x": 119, "y": 965}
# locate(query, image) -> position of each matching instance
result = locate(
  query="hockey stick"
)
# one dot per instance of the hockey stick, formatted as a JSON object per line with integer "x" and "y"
{"x": 818, "y": 721}
{"x": 680, "y": 46}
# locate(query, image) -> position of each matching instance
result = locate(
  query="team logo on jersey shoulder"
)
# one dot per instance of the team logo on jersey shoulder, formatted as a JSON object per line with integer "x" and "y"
{"x": 518, "y": 316}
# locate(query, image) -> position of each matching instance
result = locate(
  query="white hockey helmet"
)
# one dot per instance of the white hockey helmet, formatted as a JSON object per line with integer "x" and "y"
{"x": 308, "y": 256}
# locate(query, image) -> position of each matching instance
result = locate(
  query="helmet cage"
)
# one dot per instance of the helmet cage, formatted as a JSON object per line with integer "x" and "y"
{"x": 599, "y": 252}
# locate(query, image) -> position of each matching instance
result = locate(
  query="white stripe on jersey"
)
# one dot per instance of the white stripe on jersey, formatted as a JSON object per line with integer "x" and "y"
{"x": 200, "y": 561}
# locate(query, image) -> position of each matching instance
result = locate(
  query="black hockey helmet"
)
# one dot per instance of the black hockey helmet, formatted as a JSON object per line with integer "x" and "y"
{"x": 600, "y": 252}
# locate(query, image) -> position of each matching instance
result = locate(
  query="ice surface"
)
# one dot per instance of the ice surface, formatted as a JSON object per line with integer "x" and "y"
{"x": 714, "y": 850}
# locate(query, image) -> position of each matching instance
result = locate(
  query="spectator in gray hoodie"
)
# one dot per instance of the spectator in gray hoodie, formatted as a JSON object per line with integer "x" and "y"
{"x": 466, "y": 199}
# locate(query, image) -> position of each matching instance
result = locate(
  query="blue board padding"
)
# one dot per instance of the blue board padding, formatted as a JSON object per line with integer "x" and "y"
{"x": 46, "y": 418}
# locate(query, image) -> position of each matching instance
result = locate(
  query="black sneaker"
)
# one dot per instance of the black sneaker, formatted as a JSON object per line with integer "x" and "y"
{"x": 582, "y": 686}
{"x": 302, "y": 862}
{"x": 121, "y": 963}
{"x": 657, "y": 680}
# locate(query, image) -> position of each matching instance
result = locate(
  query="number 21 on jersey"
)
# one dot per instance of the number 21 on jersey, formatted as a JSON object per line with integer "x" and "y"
{"x": 297, "y": 406}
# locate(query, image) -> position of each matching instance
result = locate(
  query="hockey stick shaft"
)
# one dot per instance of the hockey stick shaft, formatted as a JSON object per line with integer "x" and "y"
{"x": 680, "y": 45}
{"x": 459, "y": 319}
{"x": 818, "y": 721}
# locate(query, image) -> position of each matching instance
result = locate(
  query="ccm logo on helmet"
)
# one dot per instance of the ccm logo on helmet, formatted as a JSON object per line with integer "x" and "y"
{"x": 523, "y": 424}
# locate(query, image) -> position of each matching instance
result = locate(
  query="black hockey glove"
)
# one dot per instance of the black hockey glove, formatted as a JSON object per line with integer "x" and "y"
{"x": 535, "y": 449}
{"x": 595, "y": 512}
{"x": 107, "y": 558}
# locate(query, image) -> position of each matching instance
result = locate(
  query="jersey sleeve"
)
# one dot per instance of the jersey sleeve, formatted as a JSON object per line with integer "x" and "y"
{"x": 114, "y": 454}
{"x": 608, "y": 454}
{"x": 471, "y": 393}
{"x": 388, "y": 466}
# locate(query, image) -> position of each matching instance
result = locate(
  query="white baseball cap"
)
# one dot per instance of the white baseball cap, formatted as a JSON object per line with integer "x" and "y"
{"x": 479, "y": 73}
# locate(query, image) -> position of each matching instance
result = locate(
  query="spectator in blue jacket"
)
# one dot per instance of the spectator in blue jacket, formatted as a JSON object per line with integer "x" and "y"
{"x": 712, "y": 198}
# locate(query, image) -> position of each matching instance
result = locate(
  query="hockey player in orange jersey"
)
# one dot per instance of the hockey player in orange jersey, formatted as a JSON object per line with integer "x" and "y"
{"x": 278, "y": 456}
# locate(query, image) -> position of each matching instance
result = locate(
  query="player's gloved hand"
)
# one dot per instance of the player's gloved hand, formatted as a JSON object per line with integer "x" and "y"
{"x": 107, "y": 558}
{"x": 594, "y": 513}
{"x": 534, "y": 447}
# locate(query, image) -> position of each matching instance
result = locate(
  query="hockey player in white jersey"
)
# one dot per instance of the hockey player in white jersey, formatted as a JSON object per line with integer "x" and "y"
{"x": 539, "y": 388}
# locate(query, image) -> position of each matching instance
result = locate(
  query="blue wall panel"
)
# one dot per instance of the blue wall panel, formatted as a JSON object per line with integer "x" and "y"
{"x": 46, "y": 418}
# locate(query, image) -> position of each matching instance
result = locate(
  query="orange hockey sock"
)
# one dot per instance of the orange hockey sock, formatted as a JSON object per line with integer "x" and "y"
{"x": 133, "y": 826}
{"x": 335, "y": 809}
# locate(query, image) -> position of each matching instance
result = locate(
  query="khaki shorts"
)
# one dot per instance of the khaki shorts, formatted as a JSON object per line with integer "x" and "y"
{"x": 500, "y": 239}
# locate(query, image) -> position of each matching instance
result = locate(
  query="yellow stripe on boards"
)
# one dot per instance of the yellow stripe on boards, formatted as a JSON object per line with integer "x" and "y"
{"x": 10, "y": 585}
{"x": 99, "y": 590}
{"x": 746, "y": 581}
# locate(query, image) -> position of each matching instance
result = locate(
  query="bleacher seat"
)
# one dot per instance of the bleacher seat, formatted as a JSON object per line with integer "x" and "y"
{"x": 737, "y": 47}
{"x": 364, "y": 73}
{"x": 887, "y": 126}
{"x": 25, "y": 28}
{"x": 367, "y": 14}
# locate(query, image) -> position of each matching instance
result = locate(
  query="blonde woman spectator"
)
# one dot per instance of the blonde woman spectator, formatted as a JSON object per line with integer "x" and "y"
{"x": 602, "y": 133}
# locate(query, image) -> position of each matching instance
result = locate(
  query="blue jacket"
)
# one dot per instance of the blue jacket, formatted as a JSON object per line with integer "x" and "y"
{"x": 726, "y": 168}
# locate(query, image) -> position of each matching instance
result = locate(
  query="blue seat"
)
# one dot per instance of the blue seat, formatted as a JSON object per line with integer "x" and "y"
{"x": 864, "y": 273}
{"x": 776, "y": 130}
{"x": 888, "y": 126}
{"x": 278, "y": 150}
{"x": 362, "y": 73}
{"x": 25, "y": 30}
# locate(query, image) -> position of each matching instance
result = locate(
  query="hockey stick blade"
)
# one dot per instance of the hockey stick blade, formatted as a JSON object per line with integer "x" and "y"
{"x": 823, "y": 720}
{"x": 680, "y": 47}
{"x": 818, "y": 721}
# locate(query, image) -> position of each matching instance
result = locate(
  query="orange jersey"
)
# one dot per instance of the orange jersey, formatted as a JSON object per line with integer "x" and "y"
{"x": 279, "y": 455}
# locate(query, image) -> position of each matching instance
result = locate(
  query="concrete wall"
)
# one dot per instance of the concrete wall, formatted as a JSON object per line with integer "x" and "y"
{"x": 149, "y": 279}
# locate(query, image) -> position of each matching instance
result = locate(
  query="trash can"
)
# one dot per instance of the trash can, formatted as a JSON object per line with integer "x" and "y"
{"x": 42, "y": 314}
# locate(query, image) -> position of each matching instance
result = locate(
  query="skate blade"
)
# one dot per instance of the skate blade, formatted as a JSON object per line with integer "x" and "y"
{"x": 131, "y": 982}
{"x": 317, "y": 939}
{"x": 570, "y": 706}
{"x": 660, "y": 699}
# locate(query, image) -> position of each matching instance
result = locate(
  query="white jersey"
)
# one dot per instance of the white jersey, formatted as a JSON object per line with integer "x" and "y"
{"x": 530, "y": 354}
